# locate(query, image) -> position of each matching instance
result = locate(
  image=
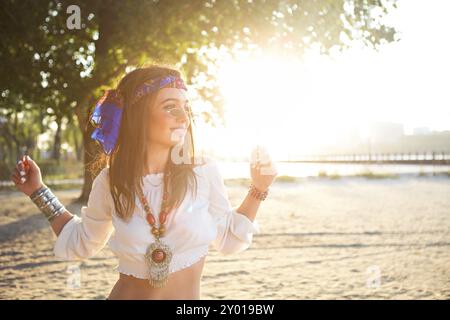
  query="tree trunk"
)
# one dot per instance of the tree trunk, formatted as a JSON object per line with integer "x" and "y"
{"x": 57, "y": 141}
{"x": 89, "y": 148}
{"x": 102, "y": 74}
{"x": 78, "y": 146}
{"x": 89, "y": 155}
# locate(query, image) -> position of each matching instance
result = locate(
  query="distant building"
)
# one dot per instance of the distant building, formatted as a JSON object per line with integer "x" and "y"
{"x": 386, "y": 132}
{"x": 421, "y": 131}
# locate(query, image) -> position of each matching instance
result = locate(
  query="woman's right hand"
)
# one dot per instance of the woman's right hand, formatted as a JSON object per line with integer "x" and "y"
{"x": 27, "y": 176}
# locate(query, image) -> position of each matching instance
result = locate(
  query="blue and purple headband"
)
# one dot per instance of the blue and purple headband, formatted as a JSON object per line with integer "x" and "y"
{"x": 107, "y": 115}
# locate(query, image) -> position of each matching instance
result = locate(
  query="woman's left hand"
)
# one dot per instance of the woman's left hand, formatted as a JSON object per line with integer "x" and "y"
{"x": 262, "y": 169}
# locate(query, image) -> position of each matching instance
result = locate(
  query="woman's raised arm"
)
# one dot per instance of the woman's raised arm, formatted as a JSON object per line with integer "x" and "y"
{"x": 77, "y": 238}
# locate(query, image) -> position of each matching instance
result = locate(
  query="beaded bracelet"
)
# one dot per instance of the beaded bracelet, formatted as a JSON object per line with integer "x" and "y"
{"x": 258, "y": 194}
{"x": 47, "y": 203}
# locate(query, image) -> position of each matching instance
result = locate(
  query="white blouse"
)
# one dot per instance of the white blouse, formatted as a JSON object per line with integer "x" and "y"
{"x": 190, "y": 229}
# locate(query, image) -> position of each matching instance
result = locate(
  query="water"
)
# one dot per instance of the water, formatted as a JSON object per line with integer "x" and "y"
{"x": 232, "y": 170}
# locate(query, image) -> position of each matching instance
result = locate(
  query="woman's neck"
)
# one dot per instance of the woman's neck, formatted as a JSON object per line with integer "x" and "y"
{"x": 156, "y": 160}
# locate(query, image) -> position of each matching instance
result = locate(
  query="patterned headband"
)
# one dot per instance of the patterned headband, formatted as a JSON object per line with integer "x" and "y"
{"x": 107, "y": 114}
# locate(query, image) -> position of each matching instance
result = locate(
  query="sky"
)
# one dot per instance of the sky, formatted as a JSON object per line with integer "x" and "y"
{"x": 317, "y": 100}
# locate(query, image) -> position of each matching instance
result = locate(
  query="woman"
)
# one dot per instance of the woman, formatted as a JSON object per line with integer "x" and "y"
{"x": 155, "y": 203}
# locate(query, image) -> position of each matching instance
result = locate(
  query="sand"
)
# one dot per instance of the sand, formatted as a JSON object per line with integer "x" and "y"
{"x": 351, "y": 238}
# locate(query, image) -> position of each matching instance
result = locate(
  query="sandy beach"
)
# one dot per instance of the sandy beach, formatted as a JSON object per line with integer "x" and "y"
{"x": 350, "y": 238}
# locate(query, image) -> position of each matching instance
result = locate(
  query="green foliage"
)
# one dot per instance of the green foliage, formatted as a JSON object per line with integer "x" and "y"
{"x": 286, "y": 179}
{"x": 370, "y": 175}
{"x": 322, "y": 174}
{"x": 59, "y": 72}
{"x": 50, "y": 169}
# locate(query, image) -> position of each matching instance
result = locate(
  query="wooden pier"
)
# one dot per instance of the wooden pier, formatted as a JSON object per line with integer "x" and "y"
{"x": 432, "y": 158}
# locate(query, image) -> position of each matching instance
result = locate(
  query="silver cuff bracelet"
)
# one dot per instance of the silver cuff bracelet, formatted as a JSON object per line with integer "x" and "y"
{"x": 47, "y": 203}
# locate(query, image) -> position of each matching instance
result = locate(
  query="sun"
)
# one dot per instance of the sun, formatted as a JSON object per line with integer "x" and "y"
{"x": 267, "y": 102}
{"x": 301, "y": 105}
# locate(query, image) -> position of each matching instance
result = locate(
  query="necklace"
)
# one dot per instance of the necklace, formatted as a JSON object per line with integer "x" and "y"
{"x": 158, "y": 254}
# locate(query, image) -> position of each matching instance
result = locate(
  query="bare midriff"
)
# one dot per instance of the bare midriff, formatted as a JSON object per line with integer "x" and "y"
{"x": 183, "y": 284}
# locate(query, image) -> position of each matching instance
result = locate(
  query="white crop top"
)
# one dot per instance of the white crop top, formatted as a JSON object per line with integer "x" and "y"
{"x": 190, "y": 229}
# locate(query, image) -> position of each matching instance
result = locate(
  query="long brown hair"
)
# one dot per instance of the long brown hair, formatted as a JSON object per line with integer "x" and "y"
{"x": 127, "y": 159}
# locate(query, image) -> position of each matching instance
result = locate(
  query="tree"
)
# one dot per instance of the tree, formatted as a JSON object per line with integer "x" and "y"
{"x": 115, "y": 35}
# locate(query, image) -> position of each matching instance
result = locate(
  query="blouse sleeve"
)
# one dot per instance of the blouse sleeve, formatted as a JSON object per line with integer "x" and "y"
{"x": 83, "y": 237}
{"x": 234, "y": 230}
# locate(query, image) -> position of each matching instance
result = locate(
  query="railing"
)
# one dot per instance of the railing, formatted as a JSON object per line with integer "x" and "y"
{"x": 435, "y": 158}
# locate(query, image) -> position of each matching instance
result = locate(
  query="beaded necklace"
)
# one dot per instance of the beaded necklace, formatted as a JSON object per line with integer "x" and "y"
{"x": 158, "y": 254}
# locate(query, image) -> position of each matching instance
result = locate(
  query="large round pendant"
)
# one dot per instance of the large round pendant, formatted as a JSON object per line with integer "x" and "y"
{"x": 158, "y": 257}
